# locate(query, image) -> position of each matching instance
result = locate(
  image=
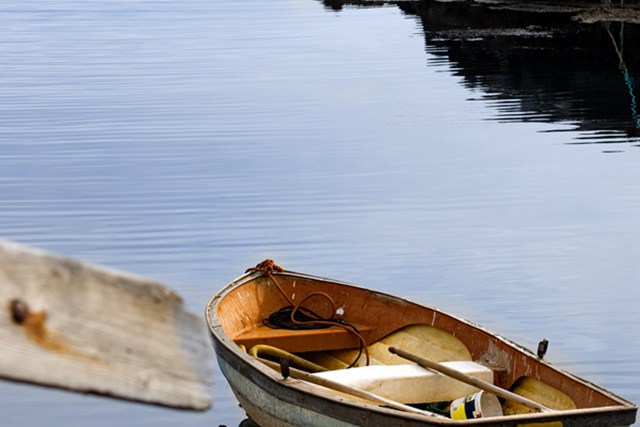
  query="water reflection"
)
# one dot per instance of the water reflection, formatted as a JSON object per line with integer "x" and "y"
{"x": 540, "y": 67}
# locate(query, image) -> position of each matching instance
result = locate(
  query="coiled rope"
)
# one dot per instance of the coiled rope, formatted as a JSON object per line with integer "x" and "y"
{"x": 295, "y": 316}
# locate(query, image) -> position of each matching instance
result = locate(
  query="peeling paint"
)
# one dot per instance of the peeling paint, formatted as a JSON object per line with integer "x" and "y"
{"x": 497, "y": 359}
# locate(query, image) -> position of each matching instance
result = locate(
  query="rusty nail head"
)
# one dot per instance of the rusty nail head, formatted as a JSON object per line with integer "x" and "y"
{"x": 19, "y": 310}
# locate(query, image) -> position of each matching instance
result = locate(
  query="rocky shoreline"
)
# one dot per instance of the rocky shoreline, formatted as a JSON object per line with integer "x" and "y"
{"x": 585, "y": 12}
{"x": 588, "y": 12}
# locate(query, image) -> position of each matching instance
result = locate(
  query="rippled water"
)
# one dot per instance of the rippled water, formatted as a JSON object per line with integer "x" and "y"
{"x": 186, "y": 141}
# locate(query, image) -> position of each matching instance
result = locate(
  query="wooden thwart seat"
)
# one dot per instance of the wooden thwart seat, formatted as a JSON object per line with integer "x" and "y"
{"x": 294, "y": 341}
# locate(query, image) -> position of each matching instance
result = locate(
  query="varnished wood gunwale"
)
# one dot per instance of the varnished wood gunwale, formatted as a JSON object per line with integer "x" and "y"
{"x": 259, "y": 299}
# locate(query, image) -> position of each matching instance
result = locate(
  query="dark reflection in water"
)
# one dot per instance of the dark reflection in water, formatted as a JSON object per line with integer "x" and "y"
{"x": 540, "y": 67}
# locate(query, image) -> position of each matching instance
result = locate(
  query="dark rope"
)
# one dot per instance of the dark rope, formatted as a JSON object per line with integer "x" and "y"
{"x": 281, "y": 319}
{"x": 297, "y": 317}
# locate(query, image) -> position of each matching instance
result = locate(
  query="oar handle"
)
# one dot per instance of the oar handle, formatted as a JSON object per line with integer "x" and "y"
{"x": 482, "y": 385}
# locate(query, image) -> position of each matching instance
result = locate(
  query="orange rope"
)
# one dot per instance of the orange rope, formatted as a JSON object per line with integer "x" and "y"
{"x": 267, "y": 267}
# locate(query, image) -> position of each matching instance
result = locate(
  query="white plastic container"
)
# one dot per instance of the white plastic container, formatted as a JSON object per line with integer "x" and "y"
{"x": 478, "y": 405}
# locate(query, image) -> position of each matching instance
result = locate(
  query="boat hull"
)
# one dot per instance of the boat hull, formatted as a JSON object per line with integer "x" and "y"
{"x": 271, "y": 402}
{"x": 268, "y": 409}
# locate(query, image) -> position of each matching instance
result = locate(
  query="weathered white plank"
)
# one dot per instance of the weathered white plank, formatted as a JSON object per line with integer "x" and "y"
{"x": 68, "y": 324}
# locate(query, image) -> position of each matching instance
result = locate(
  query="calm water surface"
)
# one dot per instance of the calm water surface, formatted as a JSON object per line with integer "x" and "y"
{"x": 186, "y": 141}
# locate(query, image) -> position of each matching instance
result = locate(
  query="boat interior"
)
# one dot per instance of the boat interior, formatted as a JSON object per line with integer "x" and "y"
{"x": 363, "y": 360}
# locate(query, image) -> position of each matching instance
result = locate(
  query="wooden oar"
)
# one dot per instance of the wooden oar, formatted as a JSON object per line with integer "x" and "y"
{"x": 482, "y": 385}
{"x": 372, "y": 397}
{"x": 68, "y": 324}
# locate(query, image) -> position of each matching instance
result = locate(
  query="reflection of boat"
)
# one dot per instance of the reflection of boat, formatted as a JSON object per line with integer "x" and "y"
{"x": 241, "y": 318}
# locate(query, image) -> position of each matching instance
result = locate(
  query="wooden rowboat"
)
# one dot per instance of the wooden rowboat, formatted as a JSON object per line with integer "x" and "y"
{"x": 301, "y": 377}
